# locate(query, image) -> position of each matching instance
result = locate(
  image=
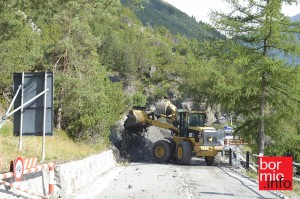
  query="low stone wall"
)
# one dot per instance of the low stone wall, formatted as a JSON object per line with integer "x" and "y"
{"x": 69, "y": 177}
{"x": 74, "y": 175}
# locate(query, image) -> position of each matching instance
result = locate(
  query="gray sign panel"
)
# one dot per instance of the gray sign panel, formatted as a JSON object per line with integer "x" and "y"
{"x": 33, "y": 113}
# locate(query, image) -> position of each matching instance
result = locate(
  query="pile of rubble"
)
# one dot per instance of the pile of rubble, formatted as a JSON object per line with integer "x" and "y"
{"x": 135, "y": 145}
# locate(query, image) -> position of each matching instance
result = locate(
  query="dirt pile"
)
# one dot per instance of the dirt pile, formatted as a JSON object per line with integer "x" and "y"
{"x": 135, "y": 145}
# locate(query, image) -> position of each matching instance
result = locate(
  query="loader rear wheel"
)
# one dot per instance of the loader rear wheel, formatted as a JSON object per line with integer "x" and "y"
{"x": 209, "y": 160}
{"x": 161, "y": 151}
{"x": 183, "y": 152}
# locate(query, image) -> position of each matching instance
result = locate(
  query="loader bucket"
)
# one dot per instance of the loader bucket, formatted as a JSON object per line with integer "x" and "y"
{"x": 165, "y": 107}
{"x": 137, "y": 118}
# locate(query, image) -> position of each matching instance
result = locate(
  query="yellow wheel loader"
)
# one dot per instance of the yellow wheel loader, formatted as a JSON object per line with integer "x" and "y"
{"x": 190, "y": 135}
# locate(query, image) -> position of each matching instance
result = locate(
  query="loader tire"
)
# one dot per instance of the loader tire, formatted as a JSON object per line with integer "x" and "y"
{"x": 184, "y": 152}
{"x": 161, "y": 151}
{"x": 209, "y": 160}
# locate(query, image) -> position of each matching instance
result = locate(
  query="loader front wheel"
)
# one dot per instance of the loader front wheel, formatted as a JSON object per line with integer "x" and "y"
{"x": 161, "y": 151}
{"x": 183, "y": 152}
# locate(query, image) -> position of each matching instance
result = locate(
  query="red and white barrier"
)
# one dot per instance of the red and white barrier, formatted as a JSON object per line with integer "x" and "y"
{"x": 27, "y": 168}
{"x": 30, "y": 162}
{"x": 51, "y": 180}
{"x": 6, "y": 175}
{"x": 38, "y": 168}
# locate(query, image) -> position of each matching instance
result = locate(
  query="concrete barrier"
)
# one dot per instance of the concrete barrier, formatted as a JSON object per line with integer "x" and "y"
{"x": 72, "y": 176}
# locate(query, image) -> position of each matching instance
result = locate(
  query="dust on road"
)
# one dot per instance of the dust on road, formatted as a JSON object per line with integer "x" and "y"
{"x": 160, "y": 181}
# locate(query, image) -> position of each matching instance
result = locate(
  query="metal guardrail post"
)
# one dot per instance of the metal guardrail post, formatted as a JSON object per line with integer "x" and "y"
{"x": 230, "y": 156}
{"x": 247, "y": 160}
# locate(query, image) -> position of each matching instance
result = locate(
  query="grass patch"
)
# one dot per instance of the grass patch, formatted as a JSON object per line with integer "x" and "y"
{"x": 251, "y": 174}
{"x": 296, "y": 185}
{"x": 59, "y": 147}
{"x": 295, "y": 193}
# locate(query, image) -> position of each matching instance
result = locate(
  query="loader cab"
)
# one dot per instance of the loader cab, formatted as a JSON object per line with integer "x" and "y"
{"x": 197, "y": 119}
{"x": 183, "y": 122}
{"x": 189, "y": 119}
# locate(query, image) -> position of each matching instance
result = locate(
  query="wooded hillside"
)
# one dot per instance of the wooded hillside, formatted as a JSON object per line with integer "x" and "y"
{"x": 106, "y": 60}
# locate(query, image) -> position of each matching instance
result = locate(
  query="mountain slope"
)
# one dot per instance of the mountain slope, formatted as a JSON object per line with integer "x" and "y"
{"x": 293, "y": 60}
{"x": 159, "y": 13}
{"x": 296, "y": 17}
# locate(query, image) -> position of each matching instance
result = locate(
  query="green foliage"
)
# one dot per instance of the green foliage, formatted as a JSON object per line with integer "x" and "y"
{"x": 287, "y": 131}
{"x": 158, "y": 76}
{"x": 117, "y": 52}
{"x": 19, "y": 45}
{"x": 139, "y": 99}
{"x": 6, "y": 129}
{"x": 64, "y": 37}
{"x": 125, "y": 51}
{"x": 90, "y": 102}
{"x": 133, "y": 4}
{"x": 160, "y": 92}
{"x": 95, "y": 110}
{"x": 80, "y": 41}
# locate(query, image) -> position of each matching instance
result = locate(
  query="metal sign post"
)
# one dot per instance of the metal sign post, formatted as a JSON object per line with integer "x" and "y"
{"x": 44, "y": 118}
{"x": 21, "y": 116}
{"x": 10, "y": 106}
{"x": 33, "y": 115}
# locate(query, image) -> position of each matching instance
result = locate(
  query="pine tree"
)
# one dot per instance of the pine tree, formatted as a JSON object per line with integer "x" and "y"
{"x": 248, "y": 73}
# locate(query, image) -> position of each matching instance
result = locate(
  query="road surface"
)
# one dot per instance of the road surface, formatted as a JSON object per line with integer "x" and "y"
{"x": 155, "y": 181}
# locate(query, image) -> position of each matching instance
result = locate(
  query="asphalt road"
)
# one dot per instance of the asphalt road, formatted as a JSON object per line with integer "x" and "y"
{"x": 150, "y": 180}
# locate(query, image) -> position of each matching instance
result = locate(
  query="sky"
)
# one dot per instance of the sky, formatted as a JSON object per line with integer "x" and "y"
{"x": 200, "y": 8}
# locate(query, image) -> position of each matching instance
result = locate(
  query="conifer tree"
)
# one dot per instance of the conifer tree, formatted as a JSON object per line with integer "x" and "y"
{"x": 254, "y": 72}
{"x": 265, "y": 34}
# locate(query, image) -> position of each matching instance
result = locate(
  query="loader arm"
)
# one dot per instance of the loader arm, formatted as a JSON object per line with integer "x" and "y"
{"x": 138, "y": 118}
{"x": 163, "y": 125}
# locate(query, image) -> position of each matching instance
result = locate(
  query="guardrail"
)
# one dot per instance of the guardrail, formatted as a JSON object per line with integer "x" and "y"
{"x": 251, "y": 164}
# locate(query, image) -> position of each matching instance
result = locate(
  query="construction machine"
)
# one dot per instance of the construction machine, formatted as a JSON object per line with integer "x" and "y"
{"x": 190, "y": 134}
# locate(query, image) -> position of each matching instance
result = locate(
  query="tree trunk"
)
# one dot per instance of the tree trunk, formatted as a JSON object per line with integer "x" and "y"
{"x": 61, "y": 93}
{"x": 58, "y": 118}
{"x": 261, "y": 130}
